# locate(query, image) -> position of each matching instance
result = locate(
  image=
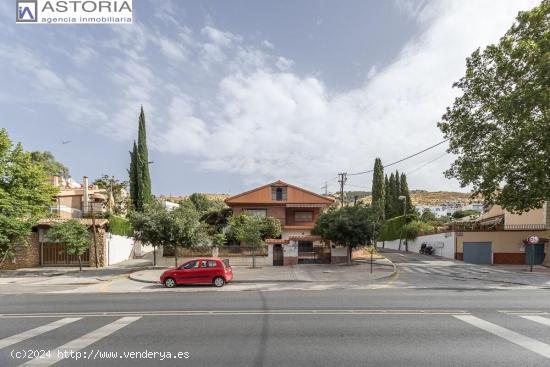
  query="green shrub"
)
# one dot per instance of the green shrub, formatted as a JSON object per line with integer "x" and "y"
{"x": 120, "y": 226}
{"x": 391, "y": 229}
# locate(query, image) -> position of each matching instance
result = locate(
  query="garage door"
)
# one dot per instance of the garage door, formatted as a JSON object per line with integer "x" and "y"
{"x": 478, "y": 252}
{"x": 534, "y": 253}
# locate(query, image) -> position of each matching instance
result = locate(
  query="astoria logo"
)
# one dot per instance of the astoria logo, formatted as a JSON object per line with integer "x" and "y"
{"x": 73, "y": 11}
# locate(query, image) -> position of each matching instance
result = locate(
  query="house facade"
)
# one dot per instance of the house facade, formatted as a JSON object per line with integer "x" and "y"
{"x": 500, "y": 237}
{"x": 76, "y": 200}
{"x": 40, "y": 251}
{"x": 297, "y": 209}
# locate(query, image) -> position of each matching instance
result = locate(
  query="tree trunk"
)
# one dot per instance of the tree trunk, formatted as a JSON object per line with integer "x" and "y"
{"x": 253, "y": 257}
{"x": 154, "y": 255}
{"x": 400, "y": 244}
{"x": 175, "y": 257}
{"x": 349, "y": 255}
{"x": 80, "y": 262}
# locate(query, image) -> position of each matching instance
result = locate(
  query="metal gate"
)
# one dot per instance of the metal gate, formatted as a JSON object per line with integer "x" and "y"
{"x": 277, "y": 255}
{"x": 305, "y": 252}
{"x": 54, "y": 254}
{"x": 478, "y": 252}
{"x": 537, "y": 256}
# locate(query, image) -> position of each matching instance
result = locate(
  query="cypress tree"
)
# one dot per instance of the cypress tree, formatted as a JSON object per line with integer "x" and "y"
{"x": 132, "y": 172}
{"x": 387, "y": 198}
{"x": 392, "y": 196}
{"x": 397, "y": 204}
{"x": 378, "y": 190}
{"x": 404, "y": 186}
{"x": 144, "y": 177}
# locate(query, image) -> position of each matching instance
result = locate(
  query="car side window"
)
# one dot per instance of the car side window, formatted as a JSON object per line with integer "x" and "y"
{"x": 204, "y": 264}
{"x": 212, "y": 264}
{"x": 191, "y": 265}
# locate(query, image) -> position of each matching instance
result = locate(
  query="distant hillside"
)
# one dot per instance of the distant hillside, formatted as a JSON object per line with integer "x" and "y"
{"x": 210, "y": 196}
{"x": 421, "y": 197}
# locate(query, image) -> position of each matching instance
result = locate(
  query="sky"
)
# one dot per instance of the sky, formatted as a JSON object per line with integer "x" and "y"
{"x": 242, "y": 93}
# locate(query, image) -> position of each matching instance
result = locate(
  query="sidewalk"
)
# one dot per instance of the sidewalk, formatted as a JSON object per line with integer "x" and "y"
{"x": 71, "y": 275}
{"x": 359, "y": 271}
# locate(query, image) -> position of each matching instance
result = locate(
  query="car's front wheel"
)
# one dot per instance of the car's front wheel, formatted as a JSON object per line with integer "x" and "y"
{"x": 169, "y": 283}
{"x": 218, "y": 282}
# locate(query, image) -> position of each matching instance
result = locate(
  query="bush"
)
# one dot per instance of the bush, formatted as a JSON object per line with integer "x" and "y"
{"x": 120, "y": 226}
{"x": 415, "y": 228}
{"x": 391, "y": 229}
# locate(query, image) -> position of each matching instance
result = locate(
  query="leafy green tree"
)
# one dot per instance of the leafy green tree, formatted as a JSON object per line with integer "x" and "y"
{"x": 465, "y": 213}
{"x": 201, "y": 202}
{"x": 51, "y": 166}
{"x": 348, "y": 226}
{"x": 499, "y": 126}
{"x": 378, "y": 189}
{"x": 248, "y": 230}
{"x": 74, "y": 235}
{"x": 219, "y": 239}
{"x": 427, "y": 216}
{"x": 217, "y": 220}
{"x": 175, "y": 228}
{"x": 25, "y": 195}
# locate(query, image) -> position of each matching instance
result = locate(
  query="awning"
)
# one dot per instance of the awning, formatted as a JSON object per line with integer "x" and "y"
{"x": 276, "y": 241}
{"x": 306, "y": 205}
{"x": 305, "y": 238}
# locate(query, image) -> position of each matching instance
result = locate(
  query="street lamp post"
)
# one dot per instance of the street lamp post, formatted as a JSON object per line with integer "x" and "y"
{"x": 404, "y": 198}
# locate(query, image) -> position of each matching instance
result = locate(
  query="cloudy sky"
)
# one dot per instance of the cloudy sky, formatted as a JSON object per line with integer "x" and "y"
{"x": 240, "y": 93}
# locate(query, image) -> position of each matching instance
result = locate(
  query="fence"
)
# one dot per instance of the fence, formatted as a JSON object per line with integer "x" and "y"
{"x": 225, "y": 251}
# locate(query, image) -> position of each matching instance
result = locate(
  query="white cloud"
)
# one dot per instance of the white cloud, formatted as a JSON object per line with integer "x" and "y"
{"x": 272, "y": 123}
{"x": 234, "y": 107}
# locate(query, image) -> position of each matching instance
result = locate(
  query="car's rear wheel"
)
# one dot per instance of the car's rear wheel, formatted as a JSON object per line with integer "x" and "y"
{"x": 169, "y": 283}
{"x": 218, "y": 282}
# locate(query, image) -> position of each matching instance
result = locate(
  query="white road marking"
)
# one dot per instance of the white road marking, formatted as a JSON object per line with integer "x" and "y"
{"x": 439, "y": 271}
{"x": 496, "y": 270}
{"x": 14, "y": 339}
{"x": 82, "y": 342}
{"x": 539, "y": 319}
{"x": 422, "y": 270}
{"x": 523, "y": 341}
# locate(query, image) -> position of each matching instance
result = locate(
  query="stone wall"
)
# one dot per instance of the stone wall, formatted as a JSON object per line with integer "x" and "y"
{"x": 26, "y": 256}
{"x": 101, "y": 248}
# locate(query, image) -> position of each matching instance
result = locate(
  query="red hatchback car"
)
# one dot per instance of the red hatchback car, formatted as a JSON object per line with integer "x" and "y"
{"x": 199, "y": 271}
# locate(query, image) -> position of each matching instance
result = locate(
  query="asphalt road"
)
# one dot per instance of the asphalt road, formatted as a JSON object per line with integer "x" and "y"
{"x": 441, "y": 315}
{"x": 384, "y": 327}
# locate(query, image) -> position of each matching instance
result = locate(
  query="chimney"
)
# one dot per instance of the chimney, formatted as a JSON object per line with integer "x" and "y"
{"x": 85, "y": 195}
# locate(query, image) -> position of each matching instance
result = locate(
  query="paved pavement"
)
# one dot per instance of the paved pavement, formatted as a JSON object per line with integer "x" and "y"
{"x": 416, "y": 270}
{"x": 383, "y": 327}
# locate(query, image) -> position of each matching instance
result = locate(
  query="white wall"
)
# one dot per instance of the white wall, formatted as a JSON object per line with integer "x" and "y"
{"x": 119, "y": 248}
{"x": 443, "y": 244}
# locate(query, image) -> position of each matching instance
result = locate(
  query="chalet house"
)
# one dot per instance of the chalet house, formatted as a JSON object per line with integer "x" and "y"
{"x": 297, "y": 209}
{"x": 76, "y": 200}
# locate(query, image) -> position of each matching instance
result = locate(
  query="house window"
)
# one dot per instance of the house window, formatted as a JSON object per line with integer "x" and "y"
{"x": 258, "y": 213}
{"x": 303, "y": 216}
{"x": 278, "y": 194}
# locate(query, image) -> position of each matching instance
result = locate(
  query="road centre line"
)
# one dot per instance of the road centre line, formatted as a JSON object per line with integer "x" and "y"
{"x": 238, "y": 312}
{"x": 533, "y": 345}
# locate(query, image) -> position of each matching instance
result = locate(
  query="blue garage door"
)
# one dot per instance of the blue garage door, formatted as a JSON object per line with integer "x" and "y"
{"x": 478, "y": 252}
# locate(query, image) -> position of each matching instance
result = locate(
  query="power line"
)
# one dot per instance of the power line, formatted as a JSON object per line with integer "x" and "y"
{"x": 400, "y": 160}
{"x": 425, "y": 164}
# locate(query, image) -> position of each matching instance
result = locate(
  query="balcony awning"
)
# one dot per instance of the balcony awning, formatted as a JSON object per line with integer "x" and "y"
{"x": 305, "y": 205}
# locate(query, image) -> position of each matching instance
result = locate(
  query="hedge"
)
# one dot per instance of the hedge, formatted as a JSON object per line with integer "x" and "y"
{"x": 391, "y": 229}
{"x": 120, "y": 226}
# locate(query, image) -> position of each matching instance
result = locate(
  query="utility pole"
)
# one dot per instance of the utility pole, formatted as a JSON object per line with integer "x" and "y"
{"x": 325, "y": 187}
{"x": 342, "y": 178}
{"x": 91, "y": 207}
